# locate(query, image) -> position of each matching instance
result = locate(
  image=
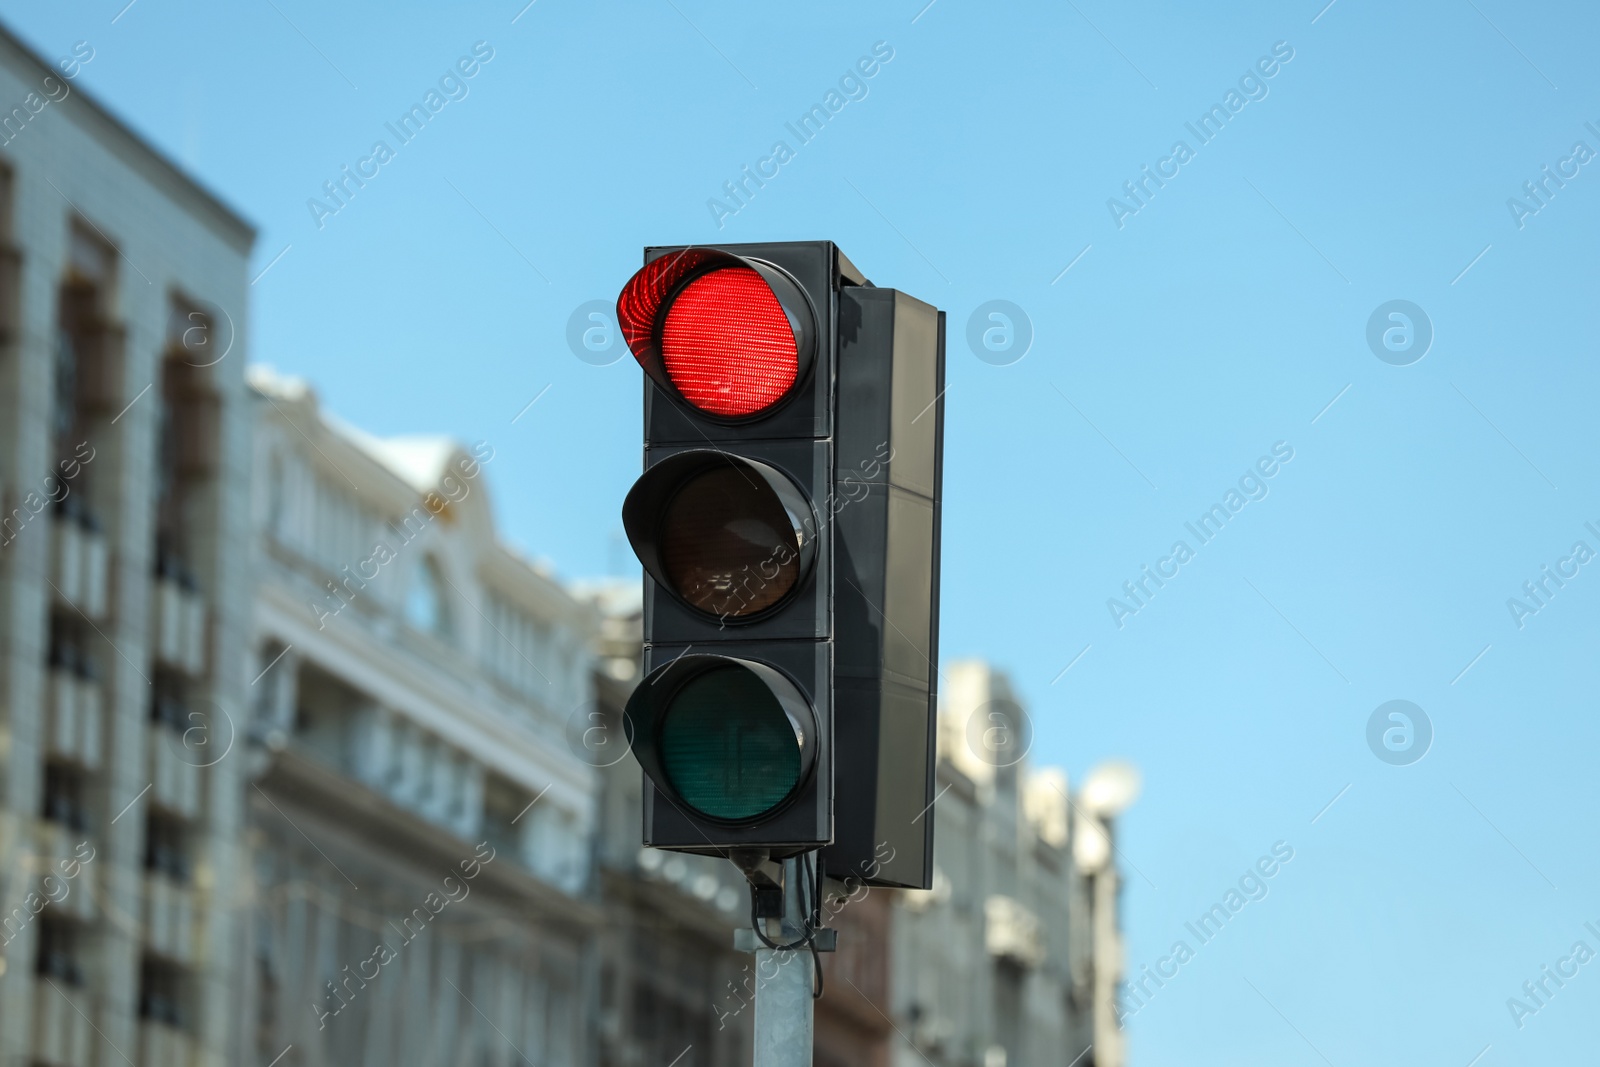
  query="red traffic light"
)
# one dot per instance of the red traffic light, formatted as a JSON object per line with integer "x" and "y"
{"x": 728, "y": 336}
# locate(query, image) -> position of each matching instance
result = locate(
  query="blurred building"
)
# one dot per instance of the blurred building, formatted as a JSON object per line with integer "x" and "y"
{"x": 421, "y": 883}
{"x": 671, "y": 983}
{"x": 124, "y": 597}
{"x": 1012, "y": 959}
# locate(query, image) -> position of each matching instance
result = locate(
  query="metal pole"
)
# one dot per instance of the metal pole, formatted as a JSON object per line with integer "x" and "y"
{"x": 783, "y": 984}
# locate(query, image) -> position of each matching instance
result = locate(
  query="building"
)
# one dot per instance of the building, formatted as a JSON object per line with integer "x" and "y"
{"x": 421, "y": 887}
{"x": 1013, "y": 958}
{"x": 124, "y": 603}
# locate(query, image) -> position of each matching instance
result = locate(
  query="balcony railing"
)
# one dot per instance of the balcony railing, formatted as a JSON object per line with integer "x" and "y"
{"x": 175, "y": 781}
{"x": 165, "y": 1045}
{"x": 169, "y": 918}
{"x": 80, "y": 563}
{"x": 1013, "y": 931}
{"x": 73, "y": 729}
{"x": 62, "y": 1033}
{"x": 179, "y": 625}
{"x": 60, "y": 858}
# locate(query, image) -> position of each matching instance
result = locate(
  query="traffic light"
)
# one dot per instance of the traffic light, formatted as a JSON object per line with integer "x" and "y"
{"x": 788, "y": 525}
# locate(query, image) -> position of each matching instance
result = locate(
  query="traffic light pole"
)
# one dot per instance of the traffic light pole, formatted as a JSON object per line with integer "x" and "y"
{"x": 783, "y": 985}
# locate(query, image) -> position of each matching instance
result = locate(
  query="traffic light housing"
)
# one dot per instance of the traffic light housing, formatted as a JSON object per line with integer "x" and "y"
{"x": 787, "y": 520}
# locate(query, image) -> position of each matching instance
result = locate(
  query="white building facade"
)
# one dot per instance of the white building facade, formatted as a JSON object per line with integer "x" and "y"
{"x": 124, "y": 593}
{"x": 422, "y": 833}
{"x": 1013, "y": 958}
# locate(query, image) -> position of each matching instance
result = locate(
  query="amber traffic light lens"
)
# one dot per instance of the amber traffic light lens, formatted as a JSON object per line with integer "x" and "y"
{"x": 728, "y": 545}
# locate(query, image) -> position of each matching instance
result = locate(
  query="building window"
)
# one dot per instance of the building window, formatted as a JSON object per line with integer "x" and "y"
{"x": 189, "y": 438}
{"x": 88, "y": 356}
{"x": 10, "y": 264}
{"x": 7, "y": 203}
{"x": 59, "y": 950}
{"x": 277, "y": 497}
{"x": 69, "y": 648}
{"x": 161, "y": 992}
{"x": 65, "y": 800}
{"x": 426, "y": 608}
{"x": 166, "y": 849}
{"x": 167, "y": 703}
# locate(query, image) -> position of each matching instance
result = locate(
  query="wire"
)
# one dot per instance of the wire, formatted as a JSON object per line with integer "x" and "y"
{"x": 811, "y": 919}
{"x": 803, "y": 942}
{"x": 814, "y": 922}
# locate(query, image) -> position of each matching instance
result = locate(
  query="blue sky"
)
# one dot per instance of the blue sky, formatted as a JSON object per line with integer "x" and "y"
{"x": 1221, "y": 318}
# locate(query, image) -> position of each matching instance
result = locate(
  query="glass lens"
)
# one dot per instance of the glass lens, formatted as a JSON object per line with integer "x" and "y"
{"x": 727, "y": 747}
{"x": 728, "y": 546}
{"x": 728, "y": 345}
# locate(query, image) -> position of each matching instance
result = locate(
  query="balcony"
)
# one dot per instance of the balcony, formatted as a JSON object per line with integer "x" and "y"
{"x": 62, "y": 1033}
{"x": 164, "y": 1045}
{"x": 80, "y": 563}
{"x": 413, "y": 768}
{"x": 169, "y": 919}
{"x": 74, "y": 717}
{"x": 175, "y": 781}
{"x": 179, "y": 625}
{"x": 1013, "y": 932}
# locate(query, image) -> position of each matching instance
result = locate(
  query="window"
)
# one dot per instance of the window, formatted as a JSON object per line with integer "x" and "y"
{"x": 188, "y": 437}
{"x": 161, "y": 992}
{"x": 10, "y": 264}
{"x": 59, "y": 950}
{"x": 7, "y": 193}
{"x": 426, "y": 609}
{"x": 166, "y": 849}
{"x": 276, "y": 496}
{"x": 89, "y": 351}
{"x": 65, "y": 796}
{"x": 167, "y": 703}
{"x": 69, "y": 648}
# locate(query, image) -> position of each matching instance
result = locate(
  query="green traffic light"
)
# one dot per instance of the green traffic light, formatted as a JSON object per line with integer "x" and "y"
{"x": 727, "y": 746}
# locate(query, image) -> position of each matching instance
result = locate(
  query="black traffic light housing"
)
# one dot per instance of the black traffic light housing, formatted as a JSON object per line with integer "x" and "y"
{"x": 787, "y": 520}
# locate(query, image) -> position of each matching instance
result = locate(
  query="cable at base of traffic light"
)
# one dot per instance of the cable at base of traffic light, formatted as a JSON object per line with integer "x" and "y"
{"x": 812, "y": 920}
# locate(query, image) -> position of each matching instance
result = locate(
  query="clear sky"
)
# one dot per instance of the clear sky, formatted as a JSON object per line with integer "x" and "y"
{"x": 1188, "y": 338}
